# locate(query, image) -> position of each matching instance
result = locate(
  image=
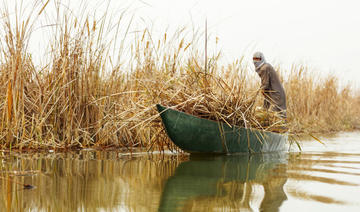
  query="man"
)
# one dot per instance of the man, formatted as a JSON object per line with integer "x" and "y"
{"x": 274, "y": 94}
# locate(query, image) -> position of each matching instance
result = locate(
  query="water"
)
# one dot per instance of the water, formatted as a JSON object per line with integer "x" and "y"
{"x": 321, "y": 178}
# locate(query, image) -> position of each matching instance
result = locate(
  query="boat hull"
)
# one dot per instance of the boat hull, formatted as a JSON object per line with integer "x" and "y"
{"x": 197, "y": 135}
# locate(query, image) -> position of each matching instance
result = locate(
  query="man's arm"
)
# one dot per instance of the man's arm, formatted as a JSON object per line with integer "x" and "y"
{"x": 266, "y": 87}
{"x": 265, "y": 80}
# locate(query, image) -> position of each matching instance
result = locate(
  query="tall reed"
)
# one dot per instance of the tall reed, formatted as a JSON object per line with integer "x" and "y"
{"x": 87, "y": 96}
{"x": 319, "y": 104}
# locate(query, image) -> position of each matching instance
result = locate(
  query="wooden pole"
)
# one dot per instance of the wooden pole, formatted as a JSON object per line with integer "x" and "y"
{"x": 205, "y": 46}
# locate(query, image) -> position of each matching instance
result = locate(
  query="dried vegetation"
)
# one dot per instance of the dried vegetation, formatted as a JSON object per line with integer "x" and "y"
{"x": 86, "y": 97}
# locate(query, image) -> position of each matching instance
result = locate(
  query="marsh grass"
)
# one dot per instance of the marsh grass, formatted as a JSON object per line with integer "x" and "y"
{"x": 86, "y": 96}
{"x": 319, "y": 104}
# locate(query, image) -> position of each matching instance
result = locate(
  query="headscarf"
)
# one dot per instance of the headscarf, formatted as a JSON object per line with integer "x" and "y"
{"x": 262, "y": 61}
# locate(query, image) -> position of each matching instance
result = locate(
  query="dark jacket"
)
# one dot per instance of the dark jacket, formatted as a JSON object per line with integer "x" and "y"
{"x": 273, "y": 91}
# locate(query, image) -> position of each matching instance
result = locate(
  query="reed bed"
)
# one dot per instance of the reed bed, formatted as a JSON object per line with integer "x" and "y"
{"x": 86, "y": 97}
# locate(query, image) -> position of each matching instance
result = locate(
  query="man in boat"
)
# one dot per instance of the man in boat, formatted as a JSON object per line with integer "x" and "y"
{"x": 272, "y": 89}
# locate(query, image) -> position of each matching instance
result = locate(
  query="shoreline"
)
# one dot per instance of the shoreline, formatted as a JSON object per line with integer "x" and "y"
{"x": 143, "y": 150}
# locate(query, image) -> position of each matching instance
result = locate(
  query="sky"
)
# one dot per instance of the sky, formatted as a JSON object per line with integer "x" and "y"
{"x": 322, "y": 34}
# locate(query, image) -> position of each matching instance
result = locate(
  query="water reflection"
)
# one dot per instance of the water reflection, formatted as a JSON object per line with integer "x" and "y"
{"x": 226, "y": 182}
{"x": 114, "y": 181}
{"x": 87, "y": 181}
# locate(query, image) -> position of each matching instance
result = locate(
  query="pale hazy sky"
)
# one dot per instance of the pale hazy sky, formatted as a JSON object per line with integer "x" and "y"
{"x": 323, "y": 34}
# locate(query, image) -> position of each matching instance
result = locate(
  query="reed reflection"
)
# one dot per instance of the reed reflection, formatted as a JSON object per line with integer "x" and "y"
{"x": 226, "y": 182}
{"x": 87, "y": 181}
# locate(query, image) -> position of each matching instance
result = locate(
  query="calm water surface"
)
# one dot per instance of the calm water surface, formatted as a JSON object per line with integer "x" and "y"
{"x": 321, "y": 178}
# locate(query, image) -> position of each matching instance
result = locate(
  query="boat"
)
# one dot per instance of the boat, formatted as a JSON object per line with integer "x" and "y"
{"x": 198, "y": 135}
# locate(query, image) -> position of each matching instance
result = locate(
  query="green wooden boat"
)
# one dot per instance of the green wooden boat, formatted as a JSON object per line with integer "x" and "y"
{"x": 197, "y": 135}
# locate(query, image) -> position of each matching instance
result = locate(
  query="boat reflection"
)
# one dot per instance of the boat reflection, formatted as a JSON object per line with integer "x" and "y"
{"x": 227, "y": 182}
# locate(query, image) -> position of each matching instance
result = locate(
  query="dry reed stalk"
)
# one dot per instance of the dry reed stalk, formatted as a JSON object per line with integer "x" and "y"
{"x": 84, "y": 97}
